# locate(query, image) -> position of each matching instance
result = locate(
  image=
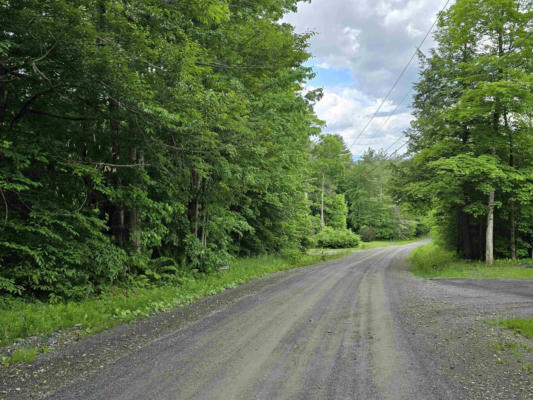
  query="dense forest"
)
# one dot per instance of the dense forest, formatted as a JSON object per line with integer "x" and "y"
{"x": 142, "y": 138}
{"x": 472, "y": 139}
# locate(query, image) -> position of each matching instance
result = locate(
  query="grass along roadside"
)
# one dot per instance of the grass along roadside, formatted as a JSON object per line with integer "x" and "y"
{"x": 524, "y": 326}
{"x": 19, "y": 320}
{"x": 25, "y": 354}
{"x": 432, "y": 261}
{"x": 388, "y": 243}
{"x": 364, "y": 246}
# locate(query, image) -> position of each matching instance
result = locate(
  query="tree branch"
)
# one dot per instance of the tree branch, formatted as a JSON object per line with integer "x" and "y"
{"x": 68, "y": 118}
{"x": 25, "y": 106}
{"x": 104, "y": 164}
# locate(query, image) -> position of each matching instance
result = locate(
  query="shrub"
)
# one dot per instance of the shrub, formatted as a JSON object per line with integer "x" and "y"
{"x": 337, "y": 239}
{"x": 430, "y": 258}
{"x": 368, "y": 234}
{"x": 309, "y": 242}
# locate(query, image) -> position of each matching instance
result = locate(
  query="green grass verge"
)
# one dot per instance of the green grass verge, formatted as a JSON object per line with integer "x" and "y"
{"x": 432, "y": 261}
{"x": 382, "y": 243}
{"x": 365, "y": 246}
{"x": 523, "y": 326}
{"x": 19, "y": 319}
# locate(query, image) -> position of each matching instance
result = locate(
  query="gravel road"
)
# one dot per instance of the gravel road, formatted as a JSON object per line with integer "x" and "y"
{"x": 360, "y": 327}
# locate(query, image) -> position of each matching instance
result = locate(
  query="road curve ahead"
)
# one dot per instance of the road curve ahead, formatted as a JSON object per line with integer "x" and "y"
{"x": 330, "y": 331}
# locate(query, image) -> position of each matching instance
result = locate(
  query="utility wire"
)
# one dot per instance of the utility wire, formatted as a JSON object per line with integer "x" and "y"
{"x": 390, "y": 116}
{"x": 400, "y": 76}
{"x": 512, "y": 47}
{"x": 389, "y": 157}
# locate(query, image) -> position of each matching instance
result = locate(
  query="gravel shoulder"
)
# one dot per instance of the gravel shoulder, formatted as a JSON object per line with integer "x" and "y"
{"x": 356, "y": 327}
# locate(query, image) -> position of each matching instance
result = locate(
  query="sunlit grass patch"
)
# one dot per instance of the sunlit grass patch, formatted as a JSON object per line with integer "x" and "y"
{"x": 432, "y": 261}
{"x": 524, "y": 326}
{"x": 22, "y": 355}
{"x": 385, "y": 243}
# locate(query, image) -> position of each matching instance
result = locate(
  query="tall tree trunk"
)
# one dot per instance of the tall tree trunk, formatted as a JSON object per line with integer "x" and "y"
{"x": 397, "y": 221}
{"x": 194, "y": 204}
{"x": 322, "y": 221}
{"x": 3, "y": 102}
{"x": 204, "y": 228}
{"x": 380, "y": 187}
{"x": 489, "y": 241}
{"x": 118, "y": 218}
{"x": 489, "y": 246}
{"x": 205, "y": 218}
{"x": 136, "y": 157}
{"x": 512, "y": 219}
{"x": 119, "y": 215}
{"x": 197, "y": 208}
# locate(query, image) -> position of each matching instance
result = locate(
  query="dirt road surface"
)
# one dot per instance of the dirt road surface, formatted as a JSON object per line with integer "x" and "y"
{"x": 360, "y": 327}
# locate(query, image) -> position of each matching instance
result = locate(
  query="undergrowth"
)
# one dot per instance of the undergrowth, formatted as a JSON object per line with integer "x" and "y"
{"x": 433, "y": 261}
{"x": 364, "y": 246}
{"x": 382, "y": 243}
{"x": 20, "y": 319}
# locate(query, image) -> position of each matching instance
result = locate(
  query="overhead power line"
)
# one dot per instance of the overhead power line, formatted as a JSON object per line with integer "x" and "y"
{"x": 512, "y": 47}
{"x": 390, "y": 116}
{"x": 400, "y": 76}
{"x": 389, "y": 157}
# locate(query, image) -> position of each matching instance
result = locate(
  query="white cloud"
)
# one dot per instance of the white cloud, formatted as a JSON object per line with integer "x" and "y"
{"x": 374, "y": 39}
{"x": 349, "y": 41}
{"x": 347, "y": 110}
{"x": 413, "y": 32}
{"x": 324, "y": 65}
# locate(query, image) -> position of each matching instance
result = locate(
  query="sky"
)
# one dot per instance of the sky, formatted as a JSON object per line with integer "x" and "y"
{"x": 359, "y": 49}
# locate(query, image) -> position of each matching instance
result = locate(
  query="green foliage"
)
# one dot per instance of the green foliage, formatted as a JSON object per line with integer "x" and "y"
{"x": 337, "y": 239}
{"x": 430, "y": 259}
{"x": 336, "y": 212}
{"x": 153, "y": 139}
{"x": 472, "y": 133}
{"x": 371, "y": 208}
{"x": 368, "y": 234}
{"x": 26, "y": 355}
{"x": 523, "y": 326}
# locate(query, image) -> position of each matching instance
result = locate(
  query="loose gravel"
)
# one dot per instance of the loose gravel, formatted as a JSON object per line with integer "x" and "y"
{"x": 357, "y": 327}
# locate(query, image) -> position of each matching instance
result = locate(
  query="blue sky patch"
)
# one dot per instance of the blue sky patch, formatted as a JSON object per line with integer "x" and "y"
{"x": 332, "y": 77}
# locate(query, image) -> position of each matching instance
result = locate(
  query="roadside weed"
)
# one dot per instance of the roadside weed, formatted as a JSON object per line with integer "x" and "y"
{"x": 23, "y": 355}
{"x": 516, "y": 350}
{"x": 523, "y": 326}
